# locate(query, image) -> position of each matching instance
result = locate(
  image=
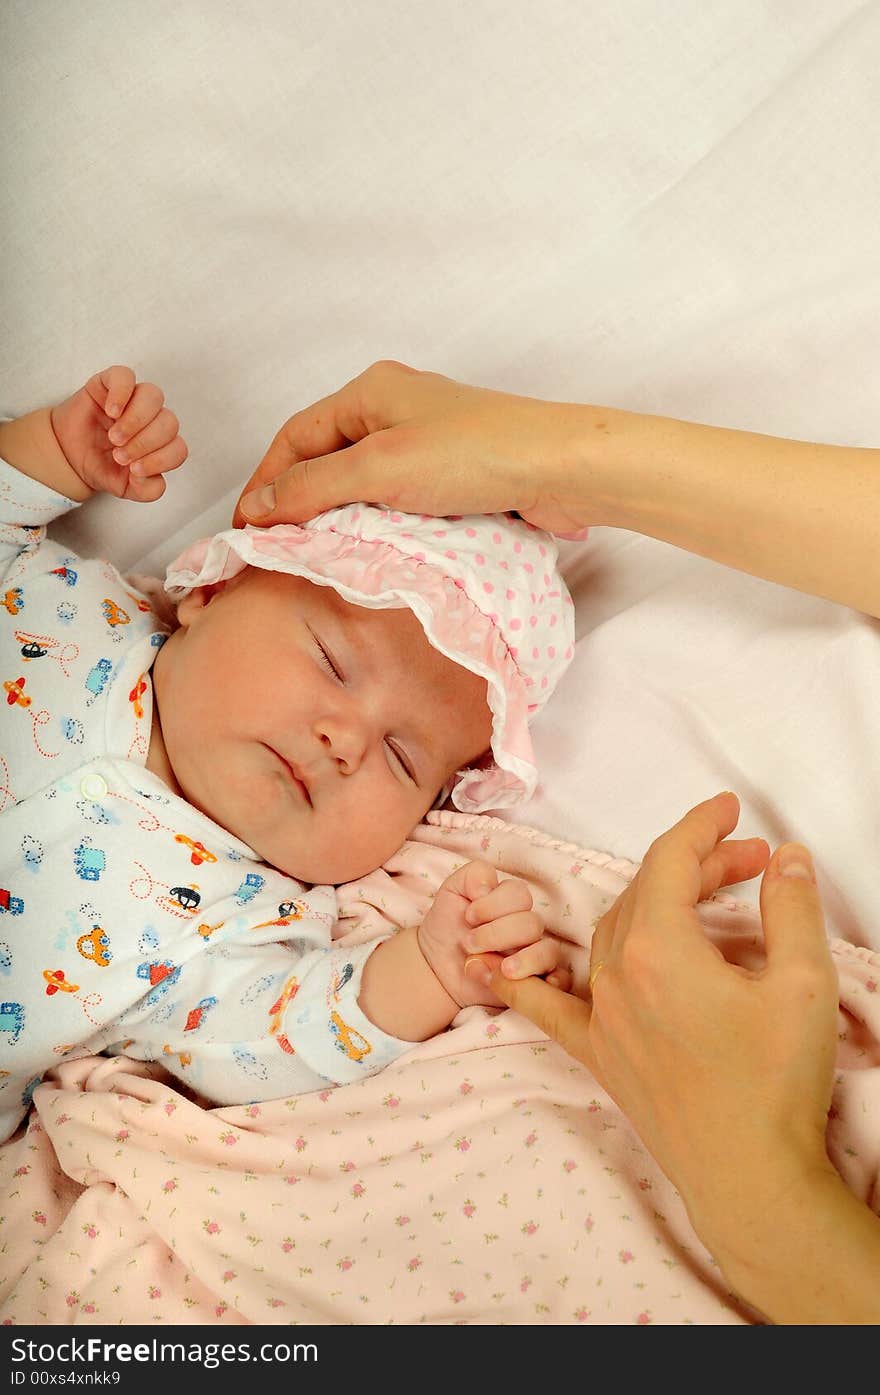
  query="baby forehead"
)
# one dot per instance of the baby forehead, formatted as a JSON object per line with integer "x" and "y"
{"x": 313, "y": 597}
{"x": 394, "y": 626}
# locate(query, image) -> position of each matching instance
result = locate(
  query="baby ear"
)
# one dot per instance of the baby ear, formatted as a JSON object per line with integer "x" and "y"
{"x": 197, "y": 600}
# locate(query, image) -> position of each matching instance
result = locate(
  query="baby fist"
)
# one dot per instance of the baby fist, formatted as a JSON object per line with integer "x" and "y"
{"x": 475, "y": 912}
{"x": 118, "y": 435}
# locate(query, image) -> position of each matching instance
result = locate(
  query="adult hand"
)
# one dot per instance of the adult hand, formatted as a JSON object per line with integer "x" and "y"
{"x": 726, "y": 1074}
{"x": 421, "y": 443}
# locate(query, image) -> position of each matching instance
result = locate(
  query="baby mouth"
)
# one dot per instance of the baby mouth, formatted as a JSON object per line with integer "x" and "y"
{"x": 295, "y": 777}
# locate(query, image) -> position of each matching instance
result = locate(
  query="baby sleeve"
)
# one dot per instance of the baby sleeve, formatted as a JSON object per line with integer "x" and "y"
{"x": 259, "y": 1022}
{"x": 26, "y": 506}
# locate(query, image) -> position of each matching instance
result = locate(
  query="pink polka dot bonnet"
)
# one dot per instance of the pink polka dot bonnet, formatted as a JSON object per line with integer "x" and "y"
{"x": 486, "y": 590}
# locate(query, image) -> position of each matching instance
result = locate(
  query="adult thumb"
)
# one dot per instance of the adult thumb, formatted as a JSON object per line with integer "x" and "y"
{"x": 279, "y": 492}
{"x": 791, "y": 911}
{"x": 560, "y": 1015}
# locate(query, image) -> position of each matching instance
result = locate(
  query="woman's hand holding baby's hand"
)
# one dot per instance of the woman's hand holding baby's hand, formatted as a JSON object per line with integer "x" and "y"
{"x": 725, "y": 1073}
{"x": 118, "y": 435}
{"x": 475, "y": 913}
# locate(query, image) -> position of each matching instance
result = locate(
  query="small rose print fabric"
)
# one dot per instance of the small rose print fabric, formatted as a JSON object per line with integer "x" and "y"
{"x": 483, "y": 1177}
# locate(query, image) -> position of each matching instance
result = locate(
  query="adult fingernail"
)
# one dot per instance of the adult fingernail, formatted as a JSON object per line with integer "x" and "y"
{"x": 259, "y": 503}
{"x": 476, "y": 969}
{"x": 794, "y": 861}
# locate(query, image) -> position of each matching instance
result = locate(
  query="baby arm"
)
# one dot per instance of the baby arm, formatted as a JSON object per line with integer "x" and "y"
{"x": 113, "y": 436}
{"x": 414, "y": 983}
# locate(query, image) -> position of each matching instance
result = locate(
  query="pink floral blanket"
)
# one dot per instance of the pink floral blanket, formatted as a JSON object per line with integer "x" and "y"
{"x": 483, "y": 1178}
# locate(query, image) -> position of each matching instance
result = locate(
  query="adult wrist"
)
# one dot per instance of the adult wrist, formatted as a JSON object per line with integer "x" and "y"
{"x": 771, "y": 1243}
{"x": 652, "y": 474}
{"x": 584, "y": 474}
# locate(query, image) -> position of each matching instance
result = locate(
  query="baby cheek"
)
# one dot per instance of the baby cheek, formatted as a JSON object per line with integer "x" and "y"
{"x": 384, "y": 820}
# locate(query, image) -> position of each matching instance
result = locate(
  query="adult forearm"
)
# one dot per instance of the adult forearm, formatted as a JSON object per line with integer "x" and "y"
{"x": 793, "y": 512}
{"x": 811, "y": 1258}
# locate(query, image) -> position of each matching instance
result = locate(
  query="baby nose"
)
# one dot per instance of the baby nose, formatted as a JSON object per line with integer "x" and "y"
{"x": 345, "y": 739}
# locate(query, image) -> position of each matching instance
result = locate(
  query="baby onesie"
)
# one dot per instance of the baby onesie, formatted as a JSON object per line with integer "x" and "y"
{"x": 130, "y": 921}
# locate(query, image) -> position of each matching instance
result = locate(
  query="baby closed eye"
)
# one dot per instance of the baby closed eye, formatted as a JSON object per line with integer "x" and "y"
{"x": 402, "y": 760}
{"x": 331, "y": 666}
{"x": 326, "y": 660}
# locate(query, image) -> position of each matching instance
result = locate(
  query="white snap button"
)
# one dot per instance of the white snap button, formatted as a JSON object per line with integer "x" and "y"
{"x": 93, "y": 787}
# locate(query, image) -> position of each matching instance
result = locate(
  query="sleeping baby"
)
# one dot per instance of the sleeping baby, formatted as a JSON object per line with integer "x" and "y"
{"x": 182, "y": 794}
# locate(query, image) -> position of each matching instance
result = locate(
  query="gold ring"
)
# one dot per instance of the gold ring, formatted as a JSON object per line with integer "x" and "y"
{"x": 594, "y": 973}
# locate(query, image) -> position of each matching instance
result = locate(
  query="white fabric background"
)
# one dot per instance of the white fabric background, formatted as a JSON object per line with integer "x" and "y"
{"x": 665, "y": 205}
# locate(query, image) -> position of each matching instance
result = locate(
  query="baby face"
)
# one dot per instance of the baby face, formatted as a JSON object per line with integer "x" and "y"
{"x": 317, "y": 731}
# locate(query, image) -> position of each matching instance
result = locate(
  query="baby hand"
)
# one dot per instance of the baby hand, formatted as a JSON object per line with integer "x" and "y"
{"x": 118, "y": 435}
{"x": 475, "y": 913}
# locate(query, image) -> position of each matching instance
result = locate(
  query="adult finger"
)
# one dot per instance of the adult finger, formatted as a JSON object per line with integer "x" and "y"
{"x": 306, "y": 488}
{"x": 560, "y": 1015}
{"x": 309, "y": 434}
{"x": 303, "y": 458}
{"x": 672, "y": 871}
{"x": 791, "y": 912}
{"x": 385, "y": 394}
{"x": 734, "y": 860}
{"x": 382, "y": 395}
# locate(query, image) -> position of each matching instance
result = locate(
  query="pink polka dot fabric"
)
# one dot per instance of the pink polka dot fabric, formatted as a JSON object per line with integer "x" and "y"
{"x": 487, "y": 591}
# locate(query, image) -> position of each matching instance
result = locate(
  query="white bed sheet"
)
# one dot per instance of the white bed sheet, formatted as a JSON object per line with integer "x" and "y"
{"x": 667, "y": 207}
